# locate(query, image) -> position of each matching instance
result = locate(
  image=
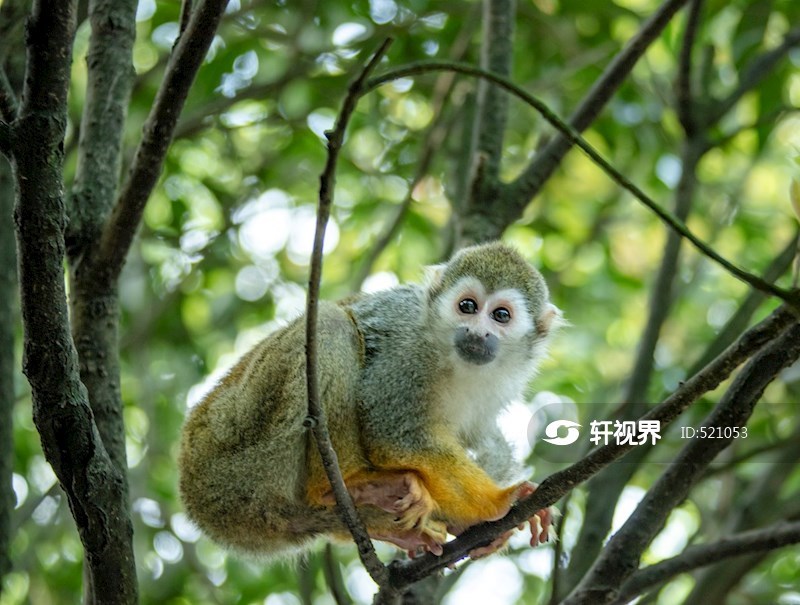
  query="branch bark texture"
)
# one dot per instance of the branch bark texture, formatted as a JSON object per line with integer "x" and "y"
{"x": 61, "y": 410}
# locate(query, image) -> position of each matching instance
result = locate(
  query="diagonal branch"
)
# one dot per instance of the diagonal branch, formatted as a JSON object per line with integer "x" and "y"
{"x": 620, "y": 558}
{"x": 560, "y": 483}
{"x": 187, "y": 56}
{"x": 743, "y": 543}
{"x": 316, "y": 414}
{"x": 528, "y": 184}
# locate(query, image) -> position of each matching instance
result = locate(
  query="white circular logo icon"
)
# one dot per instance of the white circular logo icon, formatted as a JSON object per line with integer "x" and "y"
{"x": 552, "y": 432}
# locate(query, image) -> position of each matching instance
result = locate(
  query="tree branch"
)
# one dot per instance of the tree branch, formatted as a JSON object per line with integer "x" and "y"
{"x": 528, "y": 184}
{"x": 185, "y": 61}
{"x": 744, "y": 543}
{"x": 620, "y": 558}
{"x": 316, "y": 414}
{"x": 792, "y": 297}
{"x": 484, "y": 202}
{"x": 747, "y": 307}
{"x": 558, "y": 484}
{"x": 61, "y": 411}
{"x": 492, "y": 102}
{"x": 110, "y": 77}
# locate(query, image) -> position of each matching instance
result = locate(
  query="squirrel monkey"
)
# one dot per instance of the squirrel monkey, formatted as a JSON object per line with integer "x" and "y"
{"x": 412, "y": 380}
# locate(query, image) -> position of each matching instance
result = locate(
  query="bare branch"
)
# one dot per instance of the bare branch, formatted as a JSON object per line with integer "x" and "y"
{"x": 621, "y": 556}
{"x": 110, "y": 77}
{"x": 562, "y": 482}
{"x": 185, "y": 61}
{"x": 662, "y": 294}
{"x": 316, "y": 414}
{"x": 333, "y": 577}
{"x": 744, "y": 543}
{"x": 528, "y": 184}
{"x": 792, "y": 297}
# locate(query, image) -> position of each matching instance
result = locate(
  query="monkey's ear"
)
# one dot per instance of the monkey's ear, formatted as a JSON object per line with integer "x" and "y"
{"x": 433, "y": 276}
{"x": 550, "y": 320}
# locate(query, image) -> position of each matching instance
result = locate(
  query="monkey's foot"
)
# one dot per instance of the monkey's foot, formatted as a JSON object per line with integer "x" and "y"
{"x": 428, "y": 538}
{"x": 541, "y": 521}
{"x": 402, "y": 494}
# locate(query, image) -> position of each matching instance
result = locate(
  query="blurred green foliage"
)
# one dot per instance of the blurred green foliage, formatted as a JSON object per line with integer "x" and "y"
{"x": 222, "y": 255}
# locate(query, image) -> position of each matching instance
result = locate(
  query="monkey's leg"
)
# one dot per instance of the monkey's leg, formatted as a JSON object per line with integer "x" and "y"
{"x": 540, "y": 524}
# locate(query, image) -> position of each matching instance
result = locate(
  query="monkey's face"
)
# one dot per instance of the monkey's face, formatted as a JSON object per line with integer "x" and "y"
{"x": 486, "y": 327}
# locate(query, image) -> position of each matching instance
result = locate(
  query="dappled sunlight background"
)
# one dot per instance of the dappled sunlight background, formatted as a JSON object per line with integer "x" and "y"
{"x": 222, "y": 258}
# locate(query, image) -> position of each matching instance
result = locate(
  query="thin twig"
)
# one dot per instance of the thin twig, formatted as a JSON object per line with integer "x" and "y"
{"x": 789, "y": 296}
{"x": 316, "y": 413}
{"x": 333, "y": 577}
{"x": 434, "y": 137}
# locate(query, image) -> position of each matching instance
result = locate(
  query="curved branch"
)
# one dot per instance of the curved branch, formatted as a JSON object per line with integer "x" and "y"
{"x": 187, "y": 56}
{"x": 316, "y": 414}
{"x": 545, "y": 162}
{"x": 791, "y": 297}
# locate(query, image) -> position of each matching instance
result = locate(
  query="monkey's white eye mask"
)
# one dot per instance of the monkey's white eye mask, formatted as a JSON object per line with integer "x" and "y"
{"x": 482, "y": 323}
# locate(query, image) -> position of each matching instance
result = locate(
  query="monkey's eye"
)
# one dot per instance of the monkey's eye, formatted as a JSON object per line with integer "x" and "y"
{"x": 468, "y": 306}
{"x": 501, "y": 315}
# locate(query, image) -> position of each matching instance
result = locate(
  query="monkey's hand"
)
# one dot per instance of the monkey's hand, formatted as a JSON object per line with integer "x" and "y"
{"x": 542, "y": 520}
{"x": 404, "y": 496}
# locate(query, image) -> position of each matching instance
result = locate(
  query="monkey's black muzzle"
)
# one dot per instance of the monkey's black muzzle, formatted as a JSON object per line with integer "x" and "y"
{"x": 476, "y": 348}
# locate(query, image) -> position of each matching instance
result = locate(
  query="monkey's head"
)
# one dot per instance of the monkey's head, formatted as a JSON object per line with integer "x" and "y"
{"x": 492, "y": 307}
